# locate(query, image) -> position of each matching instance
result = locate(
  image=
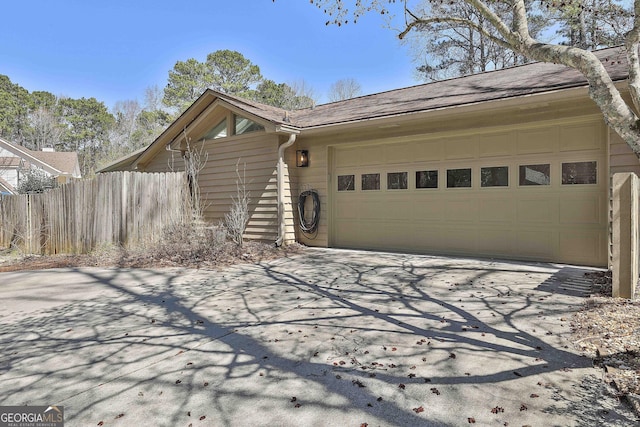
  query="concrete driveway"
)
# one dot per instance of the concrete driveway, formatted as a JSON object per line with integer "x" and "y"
{"x": 327, "y": 338}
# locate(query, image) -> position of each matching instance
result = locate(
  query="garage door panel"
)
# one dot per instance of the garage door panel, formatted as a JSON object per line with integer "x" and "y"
{"x": 537, "y": 210}
{"x": 373, "y": 155}
{"x": 348, "y": 157}
{"x": 397, "y": 210}
{"x": 461, "y": 148}
{"x": 428, "y": 209}
{"x": 459, "y": 239}
{"x": 535, "y": 244}
{"x": 580, "y": 246}
{"x": 346, "y": 211}
{"x": 460, "y": 209}
{"x": 581, "y": 137}
{"x": 496, "y": 145}
{"x": 537, "y": 141}
{"x": 496, "y": 242}
{"x": 428, "y": 151}
{"x": 496, "y": 210}
{"x": 581, "y": 209}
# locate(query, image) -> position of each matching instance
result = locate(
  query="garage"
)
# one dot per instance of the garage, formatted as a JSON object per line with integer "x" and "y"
{"x": 535, "y": 192}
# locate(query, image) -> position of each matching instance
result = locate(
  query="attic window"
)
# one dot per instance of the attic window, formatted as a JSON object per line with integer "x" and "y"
{"x": 218, "y": 131}
{"x": 244, "y": 125}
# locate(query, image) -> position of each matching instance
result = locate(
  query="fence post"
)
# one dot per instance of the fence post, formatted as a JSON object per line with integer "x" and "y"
{"x": 625, "y": 234}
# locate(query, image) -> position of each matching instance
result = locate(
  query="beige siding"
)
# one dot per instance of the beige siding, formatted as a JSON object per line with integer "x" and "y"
{"x": 621, "y": 158}
{"x": 256, "y": 155}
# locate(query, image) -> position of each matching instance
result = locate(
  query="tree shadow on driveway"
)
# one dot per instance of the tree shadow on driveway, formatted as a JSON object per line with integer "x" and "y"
{"x": 325, "y": 338}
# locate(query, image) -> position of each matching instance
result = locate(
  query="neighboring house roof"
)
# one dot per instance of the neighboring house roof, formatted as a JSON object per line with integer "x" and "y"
{"x": 66, "y": 162}
{"x": 55, "y": 163}
{"x": 5, "y": 187}
{"x": 514, "y": 82}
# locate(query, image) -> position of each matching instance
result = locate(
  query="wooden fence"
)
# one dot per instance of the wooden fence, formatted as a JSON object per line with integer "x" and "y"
{"x": 121, "y": 208}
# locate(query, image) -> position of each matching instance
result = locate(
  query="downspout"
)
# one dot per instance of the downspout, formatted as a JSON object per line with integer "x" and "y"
{"x": 282, "y": 226}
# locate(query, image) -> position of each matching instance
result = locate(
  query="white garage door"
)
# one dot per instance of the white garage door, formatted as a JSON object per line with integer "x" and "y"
{"x": 533, "y": 194}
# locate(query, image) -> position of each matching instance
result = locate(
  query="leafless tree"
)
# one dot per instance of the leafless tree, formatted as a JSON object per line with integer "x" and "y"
{"x": 344, "y": 89}
{"x": 515, "y": 34}
{"x": 238, "y": 217}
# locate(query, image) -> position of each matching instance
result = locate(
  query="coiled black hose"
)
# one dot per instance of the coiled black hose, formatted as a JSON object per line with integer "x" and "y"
{"x": 310, "y": 226}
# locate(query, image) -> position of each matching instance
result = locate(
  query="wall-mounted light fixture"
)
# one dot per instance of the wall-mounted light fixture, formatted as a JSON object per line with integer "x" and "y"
{"x": 302, "y": 158}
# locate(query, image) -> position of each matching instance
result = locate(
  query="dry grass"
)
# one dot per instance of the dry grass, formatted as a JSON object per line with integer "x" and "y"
{"x": 180, "y": 246}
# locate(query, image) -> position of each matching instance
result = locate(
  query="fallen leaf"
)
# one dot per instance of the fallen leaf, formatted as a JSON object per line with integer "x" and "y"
{"x": 394, "y": 349}
{"x": 411, "y": 375}
{"x": 202, "y": 417}
{"x": 297, "y": 405}
{"x": 418, "y": 409}
{"x": 293, "y": 399}
{"x": 452, "y": 356}
{"x": 178, "y": 381}
{"x": 523, "y": 407}
{"x": 496, "y": 410}
{"x": 533, "y": 395}
{"x": 119, "y": 416}
{"x": 364, "y": 425}
{"x": 101, "y": 423}
{"x": 379, "y": 399}
{"x": 402, "y": 386}
{"x": 471, "y": 420}
{"x": 358, "y": 383}
{"x": 435, "y": 391}
{"x": 205, "y": 384}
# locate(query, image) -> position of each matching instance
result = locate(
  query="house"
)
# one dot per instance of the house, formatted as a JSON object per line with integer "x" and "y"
{"x": 15, "y": 160}
{"x": 514, "y": 163}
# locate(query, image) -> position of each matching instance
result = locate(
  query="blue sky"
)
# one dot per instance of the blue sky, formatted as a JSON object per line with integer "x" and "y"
{"x": 113, "y": 50}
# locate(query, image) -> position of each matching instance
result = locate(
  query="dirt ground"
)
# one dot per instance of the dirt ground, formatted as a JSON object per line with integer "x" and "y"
{"x": 605, "y": 329}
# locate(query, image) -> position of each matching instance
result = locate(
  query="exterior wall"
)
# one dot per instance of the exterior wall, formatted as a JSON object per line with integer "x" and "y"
{"x": 489, "y": 122}
{"x": 256, "y": 155}
{"x": 10, "y": 175}
{"x": 621, "y": 158}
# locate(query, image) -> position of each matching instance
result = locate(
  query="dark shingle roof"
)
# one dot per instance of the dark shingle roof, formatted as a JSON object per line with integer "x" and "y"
{"x": 511, "y": 82}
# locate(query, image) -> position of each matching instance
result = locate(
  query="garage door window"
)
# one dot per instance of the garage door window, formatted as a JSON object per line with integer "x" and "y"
{"x": 370, "y": 181}
{"x": 458, "y": 178}
{"x": 346, "y": 182}
{"x": 397, "y": 181}
{"x": 427, "y": 179}
{"x": 579, "y": 173}
{"x": 494, "y": 176}
{"x": 535, "y": 174}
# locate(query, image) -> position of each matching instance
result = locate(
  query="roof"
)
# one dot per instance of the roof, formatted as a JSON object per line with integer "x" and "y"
{"x": 9, "y": 162}
{"x": 528, "y": 79}
{"x": 64, "y": 161}
{"x": 55, "y": 163}
{"x": 514, "y": 82}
